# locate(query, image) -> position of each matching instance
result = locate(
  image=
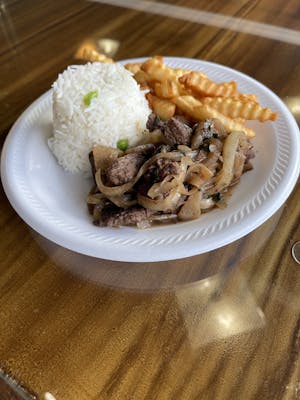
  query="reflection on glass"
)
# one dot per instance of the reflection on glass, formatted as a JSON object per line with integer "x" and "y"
{"x": 293, "y": 103}
{"x": 296, "y": 252}
{"x": 160, "y": 275}
{"x": 106, "y": 46}
{"x": 199, "y": 16}
{"x": 217, "y": 308}
{"x": 7, "y": 26}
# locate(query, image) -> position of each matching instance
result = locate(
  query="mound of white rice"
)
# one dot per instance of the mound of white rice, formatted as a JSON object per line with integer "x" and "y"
{"x": 119, "y": 111}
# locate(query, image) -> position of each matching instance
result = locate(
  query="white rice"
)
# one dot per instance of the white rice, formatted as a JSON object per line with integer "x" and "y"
{"x": 120, "y": 111}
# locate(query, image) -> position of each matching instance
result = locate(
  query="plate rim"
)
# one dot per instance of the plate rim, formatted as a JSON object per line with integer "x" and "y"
{"x": 76, "y": 244}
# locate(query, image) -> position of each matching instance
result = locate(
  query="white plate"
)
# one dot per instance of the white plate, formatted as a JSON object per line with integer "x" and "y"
{"x": 52, "y": 201}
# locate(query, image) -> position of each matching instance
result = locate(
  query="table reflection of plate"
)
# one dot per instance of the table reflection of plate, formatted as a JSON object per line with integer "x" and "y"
{"x": 52, "y": 201}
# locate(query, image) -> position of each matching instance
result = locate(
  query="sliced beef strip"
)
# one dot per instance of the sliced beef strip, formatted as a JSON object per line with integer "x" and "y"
{"x": 116, "y": 217}
{"x": 124, "y": 168}
{"x": 176, "y": 132}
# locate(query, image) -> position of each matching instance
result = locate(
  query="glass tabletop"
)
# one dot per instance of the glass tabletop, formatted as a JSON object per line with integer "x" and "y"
{"x": 219, "y": 325}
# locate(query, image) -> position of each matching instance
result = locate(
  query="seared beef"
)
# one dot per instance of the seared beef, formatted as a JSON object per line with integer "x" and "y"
{"x": 154, "y": 123}
{"x": 124, "y": 168}
{"x": 116, "y": 217}
{"x": 166, "y": 167}
{"x": 205, "y": 130}
{"x": 157, "y": 173}
{"x": 185, "y": 121}
{"x": 177, "y": 132}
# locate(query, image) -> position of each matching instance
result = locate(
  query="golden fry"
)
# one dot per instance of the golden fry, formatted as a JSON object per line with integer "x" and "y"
{"x": 205, "y": 87}
{"x": 199, "y": 111}
{"x": 163, "y": 108}
{"x": 235, "y": 108}
{"x": 157, "y": 70}
{"x": 91, "y": 55}
{"x": 166, "y": 89}
{"x": 133, "y": 67}
{"x": 240, "y": 120}
{"x": 247, "y": 97}
{"x": 180, "y": 72}
{"x": 142, "y": 77}
{"x": 196, "y": 96}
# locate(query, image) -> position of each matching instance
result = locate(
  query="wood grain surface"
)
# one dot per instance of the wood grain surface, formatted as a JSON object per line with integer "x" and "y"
{"x": 220, "y": 326}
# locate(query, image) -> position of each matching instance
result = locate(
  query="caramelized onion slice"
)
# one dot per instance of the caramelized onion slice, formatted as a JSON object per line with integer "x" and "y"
{"x": 159, "y": 189}
{"x": 142, "y": 148}
{"x": 205, "y": 204}
{"x": 157, "y": 218}
{"x": 95, "y": 198}
{"x": 122, "y": 201}
{"x": 167, "y": 204}
{"x": 198, "y": 174}
{"x": 191, "y": 208}
{"x": 224, "y": 177}
{"x": 187, "y": 151}
{"x": 104, "y": 156}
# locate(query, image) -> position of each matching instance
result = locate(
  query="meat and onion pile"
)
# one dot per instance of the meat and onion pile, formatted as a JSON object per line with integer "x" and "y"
{"x": 183, "y": 170}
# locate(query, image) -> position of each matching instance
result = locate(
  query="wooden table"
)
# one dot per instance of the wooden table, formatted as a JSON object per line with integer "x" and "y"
{"x": 218, "y": 326}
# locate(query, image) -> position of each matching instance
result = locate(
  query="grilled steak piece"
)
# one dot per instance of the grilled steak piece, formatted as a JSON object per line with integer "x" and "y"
{"x": 154, "y": 123}
{"x": 115, "y": 217}
{"x": 184, "y": 120}
{"x": 124, "y": 168}
{"x": 206, "y": 130}
{"x": 177, "y": 132}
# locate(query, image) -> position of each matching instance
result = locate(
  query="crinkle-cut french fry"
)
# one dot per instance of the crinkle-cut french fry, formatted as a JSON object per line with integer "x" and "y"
{"x": 163, "y": 108}
{"x": 205, "y": 87}
{"x": 91, "y": 55}
{"x": 199, "y": 111}
{"x": 240, "y": 120}
{"x": 235, "y": 108}
{"x": 180, "y": 72}
{"x": 142, "y": 77}
{"x": 198, "y": 97}
{"x": 145, "y": 87}
{"x": 166, "y": 89}
{"x": 154, "y": 65}
{"x": 133, "y": 67}
{"x": 247, "y": 97}
{"x": 158, "y": 72}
